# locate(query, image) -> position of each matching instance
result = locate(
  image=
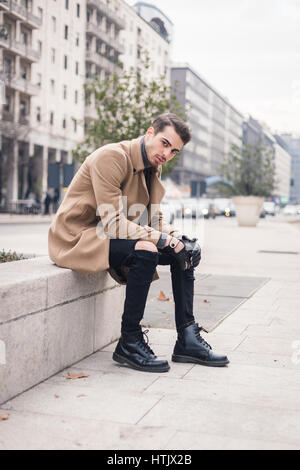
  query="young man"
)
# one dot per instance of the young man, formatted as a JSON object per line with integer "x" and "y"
{"x": 97, "y": 228}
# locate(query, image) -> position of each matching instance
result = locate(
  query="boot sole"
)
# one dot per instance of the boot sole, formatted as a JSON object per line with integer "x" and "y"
{"x": 126, "y": 362}
{"x": 195, "y": 360}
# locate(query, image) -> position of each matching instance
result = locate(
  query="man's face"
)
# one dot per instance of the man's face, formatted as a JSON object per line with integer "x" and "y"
{"x": 163, "y": 146}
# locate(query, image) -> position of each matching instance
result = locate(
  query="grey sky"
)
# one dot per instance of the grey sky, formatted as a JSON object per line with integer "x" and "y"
{"x": 249, "y": 50}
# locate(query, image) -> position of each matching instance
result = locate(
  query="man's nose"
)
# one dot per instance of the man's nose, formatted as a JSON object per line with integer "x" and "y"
{"x": 167, "y": 154}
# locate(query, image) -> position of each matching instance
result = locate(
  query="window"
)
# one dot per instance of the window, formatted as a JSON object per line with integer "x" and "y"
{"x": 66, "y": 32}
{"x": 24, "y": 72}
{"x": 78, "y": 10}
{"x": 77, "y": 68}
{"x": 52, "y": 118}
{"x": 54, "y": 24}
{"x": 65, "y": 62}
{"x": 23, "y": 108}
{"x": 64, "y": 123}
{"x": 76, "y": 97}
{"x": 38, "y": 114}
{"x": 75, "y": 125}
{"x": 53, "y": 55}
{"x": 24, "y": 38}
{"x": 52, "y": 85}
{"x": 67, "y": 4}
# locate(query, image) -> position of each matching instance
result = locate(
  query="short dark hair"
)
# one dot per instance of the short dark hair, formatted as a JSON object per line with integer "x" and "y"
{"x": 170, "y": 119}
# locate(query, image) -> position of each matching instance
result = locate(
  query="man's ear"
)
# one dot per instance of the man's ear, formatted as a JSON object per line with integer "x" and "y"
{"x": 150, "y": 131}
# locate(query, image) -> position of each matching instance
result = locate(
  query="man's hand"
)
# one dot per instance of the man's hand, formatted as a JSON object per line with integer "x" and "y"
{"x": 192, "y": 245}
{"x": 186, "y": 251}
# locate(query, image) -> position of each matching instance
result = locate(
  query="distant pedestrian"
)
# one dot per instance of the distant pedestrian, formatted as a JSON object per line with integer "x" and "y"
{"x": 55, "y": 200}
{"x": 47, "y": 202}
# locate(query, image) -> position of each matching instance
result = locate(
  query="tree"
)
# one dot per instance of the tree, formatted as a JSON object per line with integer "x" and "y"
{"x": 249, "y": 171}
{"x": 126, "y": 104}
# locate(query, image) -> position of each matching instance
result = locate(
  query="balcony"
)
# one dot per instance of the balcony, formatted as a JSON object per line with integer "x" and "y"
{"x": 21, "y": 13}
{"x": 20, "y": 84}
{"x": 7, "y": 116}
{"x": 101, "y": 61}
{"x": 24, "y": 120}
{"x": 96, "y": 31}
{"x": 20, "y": 49}
{"x": 108, "y": 12}
{"x": 90, "y": 112}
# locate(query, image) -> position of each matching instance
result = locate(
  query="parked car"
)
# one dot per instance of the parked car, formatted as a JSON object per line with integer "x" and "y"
{"x": 269, "y": 208}
{"x": 291, "y": 209}
{"x": 198, "y": 207}
{"x": 176, "y": 206}
{"x": 168, "y": 211}
{"x": 224, "y": 206}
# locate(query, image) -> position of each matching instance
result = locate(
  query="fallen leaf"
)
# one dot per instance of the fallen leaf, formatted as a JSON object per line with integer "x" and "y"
{"x": 75, "y": 376}
{"x": 56, "y": 396}
{"x": 162, "y": 297}
{"x": 4, "y": 417}
{"x": 206, "y": 301}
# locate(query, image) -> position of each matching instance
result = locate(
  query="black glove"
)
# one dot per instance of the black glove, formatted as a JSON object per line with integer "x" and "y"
{"x": 193, "y": 247}
{"x": 190, "y": 254}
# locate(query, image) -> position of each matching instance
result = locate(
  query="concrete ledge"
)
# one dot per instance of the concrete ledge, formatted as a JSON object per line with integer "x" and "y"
{"x": 50, "y": 318}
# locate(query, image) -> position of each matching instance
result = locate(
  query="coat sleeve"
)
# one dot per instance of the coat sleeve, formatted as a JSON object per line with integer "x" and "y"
{"x": 108, "y": 171}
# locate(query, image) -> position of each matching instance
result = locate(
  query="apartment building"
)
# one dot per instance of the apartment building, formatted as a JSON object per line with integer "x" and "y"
{"x": 255, "y": 133}
{"x": 18, "y": 53}
{"x": 48, "y": 50}
{"x": 103, "y": 44}
{"x": 147, "y": 32}
{"x": 293, "y": 145}
{"x": 215, "y": 123}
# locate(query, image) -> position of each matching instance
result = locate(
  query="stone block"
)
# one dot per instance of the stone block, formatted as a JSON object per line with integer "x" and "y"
{"x": 68, "y": 334}
{"x": 108, "y": 313}
{"x": 25, "y": 355}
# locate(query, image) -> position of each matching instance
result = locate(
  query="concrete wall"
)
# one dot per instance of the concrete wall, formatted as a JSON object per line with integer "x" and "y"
{"x": 50, "y": 318}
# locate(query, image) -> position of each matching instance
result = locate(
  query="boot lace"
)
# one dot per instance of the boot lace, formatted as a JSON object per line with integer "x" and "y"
{"x": 199, "y": 337}
{"x": 145, "y": 345}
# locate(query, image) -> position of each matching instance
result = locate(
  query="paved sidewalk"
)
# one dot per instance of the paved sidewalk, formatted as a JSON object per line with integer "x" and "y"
{"x": 25, "y": 219}
{"x": 252, "y": 404}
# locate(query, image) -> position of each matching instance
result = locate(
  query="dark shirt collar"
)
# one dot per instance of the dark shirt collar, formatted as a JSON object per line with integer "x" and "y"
{"x": 146, "y": 162}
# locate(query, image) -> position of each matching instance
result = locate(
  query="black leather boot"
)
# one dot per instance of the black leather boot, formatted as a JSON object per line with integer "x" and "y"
{"x": 133, "y": 351}
{"x": 191, "y": 347}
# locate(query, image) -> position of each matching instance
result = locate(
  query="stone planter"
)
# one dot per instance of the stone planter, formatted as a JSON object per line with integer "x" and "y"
{"x": 248, "y": 209}
{"x": 51, "y": 318}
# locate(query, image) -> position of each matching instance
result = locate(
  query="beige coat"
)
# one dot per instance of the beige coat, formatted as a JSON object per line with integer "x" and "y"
{"x": 91, "y": 213}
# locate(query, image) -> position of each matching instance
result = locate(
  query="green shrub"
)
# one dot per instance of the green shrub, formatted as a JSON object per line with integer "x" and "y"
{"x": 8, "y": 256}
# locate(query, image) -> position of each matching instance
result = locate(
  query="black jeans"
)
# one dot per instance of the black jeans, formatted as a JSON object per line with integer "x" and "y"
{"x": 142, "y": 265}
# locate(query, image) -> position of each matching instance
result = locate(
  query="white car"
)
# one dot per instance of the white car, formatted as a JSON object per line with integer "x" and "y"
{"x": 168, "y": 212}
{"x": 291, "y": 210}
{"x": 269, "y": 208}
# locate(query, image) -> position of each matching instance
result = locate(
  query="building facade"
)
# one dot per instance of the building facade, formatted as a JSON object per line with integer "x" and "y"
{"x": 293, "y": 145}
{"x": 18, "y": 53}
{"x": 144, "y": 35}
{"x": 215, "y": 124}
{"x": 49, "y": 50}
{"x": 254, "y": 133}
